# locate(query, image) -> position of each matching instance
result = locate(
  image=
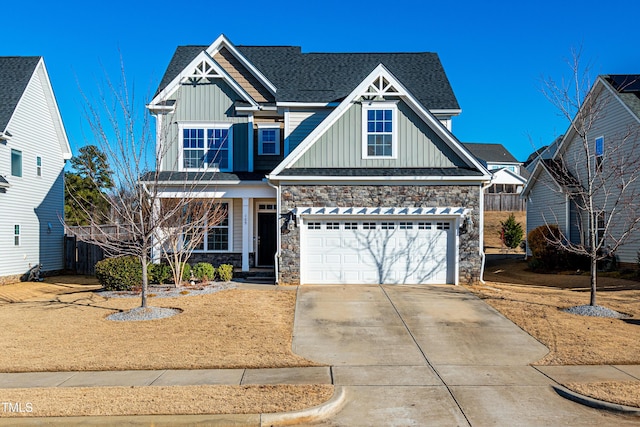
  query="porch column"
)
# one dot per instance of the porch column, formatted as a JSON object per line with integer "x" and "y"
{"x": 246, "y": 232}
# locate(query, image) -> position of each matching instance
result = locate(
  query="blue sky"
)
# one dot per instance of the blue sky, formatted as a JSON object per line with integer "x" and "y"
{"x": 494, "y": 52}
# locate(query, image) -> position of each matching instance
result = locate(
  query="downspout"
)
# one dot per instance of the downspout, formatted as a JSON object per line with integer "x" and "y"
{"x": 276, "y": 256}
{"x": 481, "y": 230}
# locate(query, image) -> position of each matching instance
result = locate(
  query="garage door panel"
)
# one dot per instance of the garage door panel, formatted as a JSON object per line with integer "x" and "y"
{"x": 377, "y": 251}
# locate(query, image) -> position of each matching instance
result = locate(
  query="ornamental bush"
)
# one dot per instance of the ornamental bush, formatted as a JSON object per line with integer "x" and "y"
{"x": 119, "y": 274}
{"x": 546, "y": 256}
{"x": 159, "y": 273}
{"x": 511, "y": 232}
{"x": 225, "y": 272}
{"x": 203, "y": 271}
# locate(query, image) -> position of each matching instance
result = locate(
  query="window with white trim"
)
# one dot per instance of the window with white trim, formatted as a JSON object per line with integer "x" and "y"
{"x": 217, "y": 237}
{"x": 350, "y": 225}
{"x": 269, "y": 139}
{"x": 16, "y": 235}
{"x": 313, "y": 226}
{"x": 379, "y": 133}
{"x": 333, "y": 226}
{"x": 207, "y": 147}
{"x": 38, "y": 166}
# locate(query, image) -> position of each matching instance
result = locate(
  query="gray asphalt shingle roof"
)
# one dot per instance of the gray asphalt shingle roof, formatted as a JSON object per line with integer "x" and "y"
{"x": 15, "y": 73}
{"x": 329, "y": 77}
{"x": 494, "y": 153}
{"x": 628, "y": 88}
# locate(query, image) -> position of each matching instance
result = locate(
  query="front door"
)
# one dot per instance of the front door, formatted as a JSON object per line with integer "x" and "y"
{"x": 266, "y": 238}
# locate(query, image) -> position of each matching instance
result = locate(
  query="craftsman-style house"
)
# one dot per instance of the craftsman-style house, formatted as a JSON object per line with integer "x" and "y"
{"x": 333, "y": 167}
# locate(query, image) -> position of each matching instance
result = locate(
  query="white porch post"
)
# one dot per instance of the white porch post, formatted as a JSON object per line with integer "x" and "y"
{"x": 246, "y": 234}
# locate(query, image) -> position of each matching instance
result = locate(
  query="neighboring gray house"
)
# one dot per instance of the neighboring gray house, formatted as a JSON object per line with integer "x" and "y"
{"x": 33, "y": 151}
{"x": 551, "y": 191}
{"x": 334, "y": 168}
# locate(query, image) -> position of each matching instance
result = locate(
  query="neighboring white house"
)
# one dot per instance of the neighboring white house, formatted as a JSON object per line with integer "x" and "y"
{"x": 33, "y": 151}
{"x": 508, "y": 175}
{"x": 614, "y": 152}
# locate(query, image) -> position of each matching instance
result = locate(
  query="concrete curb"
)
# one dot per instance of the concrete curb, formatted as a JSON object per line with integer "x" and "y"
{"x": 594, "y": 403}
{"x": 315, "y": 413}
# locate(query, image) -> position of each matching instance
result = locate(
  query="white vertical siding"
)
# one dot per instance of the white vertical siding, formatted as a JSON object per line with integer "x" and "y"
{"x": 32, "y": 202}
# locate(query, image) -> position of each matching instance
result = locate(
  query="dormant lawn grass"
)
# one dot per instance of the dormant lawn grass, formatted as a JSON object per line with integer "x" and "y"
{"x": 535, "y": 304}
{"x": 61, "y": 325}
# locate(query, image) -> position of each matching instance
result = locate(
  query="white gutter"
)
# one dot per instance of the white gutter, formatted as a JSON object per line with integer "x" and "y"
{"x": 276, "y": 256}
{"x": 5, "y": 136}
{"x": 481, "y": 230}
{"x": 457, "y": 179}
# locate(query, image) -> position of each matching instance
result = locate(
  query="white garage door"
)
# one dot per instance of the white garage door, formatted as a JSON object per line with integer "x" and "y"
{"x": 376, "y": 251}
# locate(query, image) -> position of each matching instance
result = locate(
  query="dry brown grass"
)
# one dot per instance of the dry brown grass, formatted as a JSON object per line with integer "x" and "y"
{"x": 492, "y": 229}
{"x": 61, "y": 326}
{"x": 622, "y": 393}
{"x": 191, "y": 400}
{"x": 535, "y": 304}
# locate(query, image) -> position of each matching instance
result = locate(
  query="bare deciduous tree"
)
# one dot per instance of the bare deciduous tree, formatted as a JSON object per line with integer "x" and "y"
{"x": 600, "y": 177}
{"x": 184, "y": 228}
{"x": 121, "y": 128}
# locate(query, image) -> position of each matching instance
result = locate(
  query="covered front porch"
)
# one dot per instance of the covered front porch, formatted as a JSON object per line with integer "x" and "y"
{"x": 247, "y": 236}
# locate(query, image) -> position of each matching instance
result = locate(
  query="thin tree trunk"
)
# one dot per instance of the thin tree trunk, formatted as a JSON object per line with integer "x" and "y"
{"x": 145, "y": 280}
{"x": 594, "y": 272}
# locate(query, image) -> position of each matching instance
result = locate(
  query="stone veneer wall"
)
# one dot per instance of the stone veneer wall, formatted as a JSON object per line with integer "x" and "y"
{"x": 467, "y": 196}
{"x": 216, "y": 258}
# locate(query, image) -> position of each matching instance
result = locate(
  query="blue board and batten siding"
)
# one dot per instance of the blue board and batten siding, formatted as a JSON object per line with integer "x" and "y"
{"x": 35, "y": 203}
{"x": 211, "y": 103}
{"x": 341, "y": 145}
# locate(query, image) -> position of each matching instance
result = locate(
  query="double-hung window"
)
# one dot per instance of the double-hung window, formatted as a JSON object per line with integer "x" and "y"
{"x": 38, "y": 166}
{"x": 379, "y": 130}
{"x": 599, "y": 151}
{"x": 207, "y": 147}
{"x": 269, "y": 139}
{"x": 16, "y": 235}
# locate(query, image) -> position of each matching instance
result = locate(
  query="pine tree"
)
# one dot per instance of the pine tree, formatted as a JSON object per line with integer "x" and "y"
{"x": 512, "y": 233}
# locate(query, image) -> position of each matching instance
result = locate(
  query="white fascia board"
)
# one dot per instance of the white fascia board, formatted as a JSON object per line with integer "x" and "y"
{"x": 58, "y": 123}
{"x": 221, "y": 41}
{"x": 540, "y": 168}
{"x": 172, "y": 87}
{"x": 307, "y": 104}
{"x": 65, "y": 147}
{"x": 446, "y": 112}
{"x": 514, "y": 175}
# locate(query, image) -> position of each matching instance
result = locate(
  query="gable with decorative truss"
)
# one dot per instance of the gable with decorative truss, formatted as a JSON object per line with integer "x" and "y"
{"x": 379, "y": 125}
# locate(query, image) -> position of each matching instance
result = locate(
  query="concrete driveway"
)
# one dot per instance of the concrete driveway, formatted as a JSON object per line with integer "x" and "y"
{"x": 429, "y": 355}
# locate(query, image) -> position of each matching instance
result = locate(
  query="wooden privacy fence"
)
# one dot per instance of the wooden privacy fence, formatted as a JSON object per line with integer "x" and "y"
{"x": 504, "y": 202}
{"x": 81, "y": 257}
